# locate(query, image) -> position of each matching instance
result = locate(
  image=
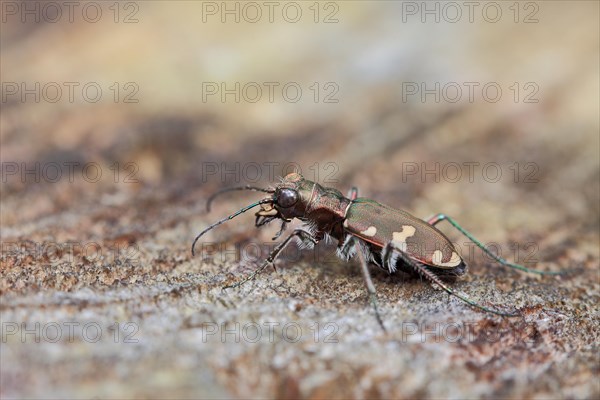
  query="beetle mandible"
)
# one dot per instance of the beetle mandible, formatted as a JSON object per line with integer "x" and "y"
{"x": 377, "y": 234}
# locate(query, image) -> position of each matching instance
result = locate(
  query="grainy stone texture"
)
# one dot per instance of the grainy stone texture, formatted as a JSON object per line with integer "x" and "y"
{"x": 111, "y": 261}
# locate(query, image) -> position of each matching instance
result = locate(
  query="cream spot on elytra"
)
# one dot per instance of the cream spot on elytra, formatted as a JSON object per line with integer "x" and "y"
{"x": 399, "y": 238}
{"x": 370, "y": 231}
{"x": 438, "y": 257}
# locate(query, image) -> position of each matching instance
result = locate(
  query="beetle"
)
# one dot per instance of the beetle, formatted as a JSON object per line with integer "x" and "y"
{"x": 377, "y": 234}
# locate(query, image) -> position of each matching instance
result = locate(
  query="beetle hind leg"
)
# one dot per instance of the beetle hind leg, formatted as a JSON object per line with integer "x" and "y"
{"x": 433, "y": 278}
{"x": 437, "y": 218}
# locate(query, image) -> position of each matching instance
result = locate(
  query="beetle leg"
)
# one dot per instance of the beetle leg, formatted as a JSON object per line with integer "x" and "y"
{"x": 443, "y": 217}
{"x": 434, "y": 219}
{"x": 306, "y": 239}
{"x": 389, "y": 257}
{"x": 353, "y": 193}
{"x": 347, "y": 249}
{"x": 368, "y": 282}
{"x": 433, "y": 278}
{"x": 283, "y": 225}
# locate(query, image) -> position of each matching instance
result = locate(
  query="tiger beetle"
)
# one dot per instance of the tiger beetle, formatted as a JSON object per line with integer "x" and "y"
{"x": 389, "y": 238}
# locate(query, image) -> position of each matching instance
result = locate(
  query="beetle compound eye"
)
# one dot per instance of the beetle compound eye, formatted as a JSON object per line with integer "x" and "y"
{"x": 287, "y": 198}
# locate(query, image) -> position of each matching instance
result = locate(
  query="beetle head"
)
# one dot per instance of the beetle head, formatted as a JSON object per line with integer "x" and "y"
{"x": 290, "y": 199}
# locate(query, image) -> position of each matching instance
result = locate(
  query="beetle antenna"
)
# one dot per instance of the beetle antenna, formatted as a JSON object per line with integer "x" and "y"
{"x": 232, "y": 189}
{"x": 235, "y": 214}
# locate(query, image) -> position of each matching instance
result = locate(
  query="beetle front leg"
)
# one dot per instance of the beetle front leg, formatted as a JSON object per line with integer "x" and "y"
{"x": 306, "y": 241}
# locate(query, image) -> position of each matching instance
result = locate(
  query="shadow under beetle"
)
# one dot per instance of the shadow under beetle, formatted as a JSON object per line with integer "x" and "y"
{"x": 389, "y": 238}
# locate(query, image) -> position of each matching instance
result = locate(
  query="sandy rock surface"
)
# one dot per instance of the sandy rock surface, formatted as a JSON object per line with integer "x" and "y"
{"x": 101, "y": 298}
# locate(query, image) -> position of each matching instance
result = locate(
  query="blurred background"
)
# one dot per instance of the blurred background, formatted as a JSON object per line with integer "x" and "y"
{"x": 119, "y": 119}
